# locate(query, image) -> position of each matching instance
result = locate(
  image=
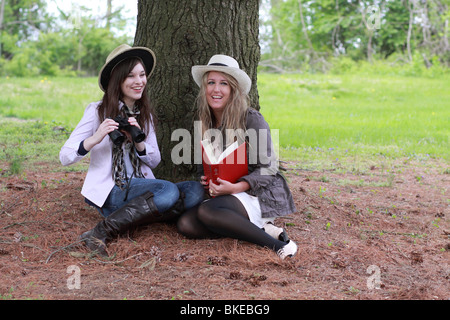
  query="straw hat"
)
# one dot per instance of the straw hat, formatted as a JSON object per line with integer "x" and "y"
{"x": 225, "y": 64}
{"x": 121, "y": 53}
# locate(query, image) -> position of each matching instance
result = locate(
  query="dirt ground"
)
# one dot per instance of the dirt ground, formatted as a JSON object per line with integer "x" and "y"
{"x": 374, "y": 235}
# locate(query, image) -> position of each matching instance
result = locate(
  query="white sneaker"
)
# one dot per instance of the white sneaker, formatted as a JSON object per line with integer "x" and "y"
{"x": 275, "y": 232}
{"x": 289, "y": 250}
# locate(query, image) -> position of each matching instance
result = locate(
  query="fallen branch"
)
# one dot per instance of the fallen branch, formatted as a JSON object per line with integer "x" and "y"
{"x": 120, "y": 261}
{"x": 62, "y": 248}
{"x": 28, "y": 245}
{"x": 411, "y": 234}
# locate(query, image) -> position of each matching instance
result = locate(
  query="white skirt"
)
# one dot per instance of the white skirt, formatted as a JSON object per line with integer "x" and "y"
{"x": 251, "y": 204}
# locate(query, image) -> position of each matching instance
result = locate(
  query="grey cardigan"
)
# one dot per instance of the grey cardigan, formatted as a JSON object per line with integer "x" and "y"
{"x": 264, "y": 178}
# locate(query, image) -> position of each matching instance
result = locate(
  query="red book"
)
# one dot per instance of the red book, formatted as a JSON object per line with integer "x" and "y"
{"x": 230, "y": 165}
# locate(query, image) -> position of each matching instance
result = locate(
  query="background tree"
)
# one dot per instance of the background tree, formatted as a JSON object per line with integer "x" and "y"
{"x": 410, "y": 31}
{"x": 187, "y": 33}
{"x": 296, "y": 35}
{"x": 21, "y": 20}
{"x": 74, "y": 43}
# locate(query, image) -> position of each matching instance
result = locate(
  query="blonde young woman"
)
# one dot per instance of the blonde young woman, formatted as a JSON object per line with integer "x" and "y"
{"x": 246, "y": 209}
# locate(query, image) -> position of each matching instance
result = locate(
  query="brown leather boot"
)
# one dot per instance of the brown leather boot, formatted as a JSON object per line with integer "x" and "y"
{"x": 138, "y": 211}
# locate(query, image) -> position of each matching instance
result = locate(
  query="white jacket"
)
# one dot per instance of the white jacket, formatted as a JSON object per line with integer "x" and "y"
{"x": 99, "y": 181}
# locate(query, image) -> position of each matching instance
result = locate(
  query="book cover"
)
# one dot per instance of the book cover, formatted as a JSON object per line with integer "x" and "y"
{"x": 230, "y": 165}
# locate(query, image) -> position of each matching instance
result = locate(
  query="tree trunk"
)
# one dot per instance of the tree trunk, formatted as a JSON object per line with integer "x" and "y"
{"x": 108, "y": 14}
{"x": 369, "y": 46}
{"x": 305, "y": 31}
{"x": 411, "y": 6}
{"x": 2, "y": 10}
{"x": 187, "y": 33}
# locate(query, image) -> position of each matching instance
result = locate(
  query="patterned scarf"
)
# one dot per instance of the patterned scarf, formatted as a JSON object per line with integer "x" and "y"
{"x": 120, "y": 175}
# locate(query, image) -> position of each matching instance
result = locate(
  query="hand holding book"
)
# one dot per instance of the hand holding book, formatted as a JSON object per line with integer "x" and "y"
{"x": 225, "y": 187}
{"x": 222, "y": 172}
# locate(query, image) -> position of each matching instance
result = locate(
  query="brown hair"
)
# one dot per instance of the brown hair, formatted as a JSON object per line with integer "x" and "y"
{"x": 108, "y": 108}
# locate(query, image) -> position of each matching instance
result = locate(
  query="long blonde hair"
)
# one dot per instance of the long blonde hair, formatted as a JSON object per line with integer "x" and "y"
{"x": 234, "y": 115}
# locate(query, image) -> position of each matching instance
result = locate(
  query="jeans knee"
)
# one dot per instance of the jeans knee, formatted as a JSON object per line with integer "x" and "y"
{"x": 193, "y": 191}
{"x": 166, "y": 197}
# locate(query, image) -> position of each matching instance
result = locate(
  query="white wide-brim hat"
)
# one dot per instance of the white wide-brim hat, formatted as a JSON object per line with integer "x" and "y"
{"x": 121, "y": 53}
{"x": 225, "y": 64}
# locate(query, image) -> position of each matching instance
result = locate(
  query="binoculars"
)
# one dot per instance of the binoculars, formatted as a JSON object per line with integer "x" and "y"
{"x": 118, "y": 137}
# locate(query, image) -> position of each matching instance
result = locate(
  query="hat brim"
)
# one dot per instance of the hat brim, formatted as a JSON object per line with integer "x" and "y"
{"x": 242, "y": 78}
{"x": 146, "y": 55}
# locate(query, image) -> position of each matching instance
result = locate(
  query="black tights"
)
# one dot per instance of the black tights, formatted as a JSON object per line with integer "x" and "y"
{"x": 224, "y": 216}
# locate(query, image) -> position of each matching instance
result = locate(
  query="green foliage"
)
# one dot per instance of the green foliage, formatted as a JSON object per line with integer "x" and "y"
{"x": 59, "y": 54}
{"x": 70, "y": 47}
{"x": 22, "y": 18}
{"x": 20, "y": 65}
{"x": 75, "y": 44}
{"x": 393, "y": 66}
{"x": 333, "y": 29}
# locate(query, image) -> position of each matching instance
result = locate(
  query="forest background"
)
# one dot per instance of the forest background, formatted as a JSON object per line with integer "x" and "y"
{"x": 410, "y": 37}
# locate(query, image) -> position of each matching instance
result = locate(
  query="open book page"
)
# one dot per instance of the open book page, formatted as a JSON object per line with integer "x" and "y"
{"x": 229, "y": 165}
{"x": 228, "y": 151}
{"x": 213, "y": 153}
{"x": 208, "y": 150}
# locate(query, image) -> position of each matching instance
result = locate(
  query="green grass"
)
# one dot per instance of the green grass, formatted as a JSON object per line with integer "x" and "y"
{"x": 58, "y": 100}
{"x": 353, "y": 114}
{"x": 31, "y": 145}
{"x": 324, "y": 121}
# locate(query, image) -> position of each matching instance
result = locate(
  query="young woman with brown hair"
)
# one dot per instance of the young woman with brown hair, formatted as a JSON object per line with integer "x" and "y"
{"x": 120, "y": 183}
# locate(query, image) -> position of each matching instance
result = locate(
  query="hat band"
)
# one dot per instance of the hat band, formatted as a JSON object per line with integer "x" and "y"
{"x": 217, "y": 64}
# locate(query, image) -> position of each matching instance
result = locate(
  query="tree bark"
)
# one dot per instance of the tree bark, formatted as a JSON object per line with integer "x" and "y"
{"x": 187, "y": 33}
{"x": 305, "y": 31}
{"x": 2, "y": 10}
{"x": 411, "y": 7}
{"x": 108, "y": 14}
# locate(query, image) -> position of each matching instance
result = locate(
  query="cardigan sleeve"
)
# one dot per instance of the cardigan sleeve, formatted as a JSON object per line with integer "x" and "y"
{"x": 85, "y": 128}
{"x": 263, "y": 162}
{"x": 264, "y": 178}
{"x": 152, "y": 155}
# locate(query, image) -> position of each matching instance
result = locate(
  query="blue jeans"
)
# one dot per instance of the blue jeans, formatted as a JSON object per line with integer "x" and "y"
{"x": 165, "y": 194}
